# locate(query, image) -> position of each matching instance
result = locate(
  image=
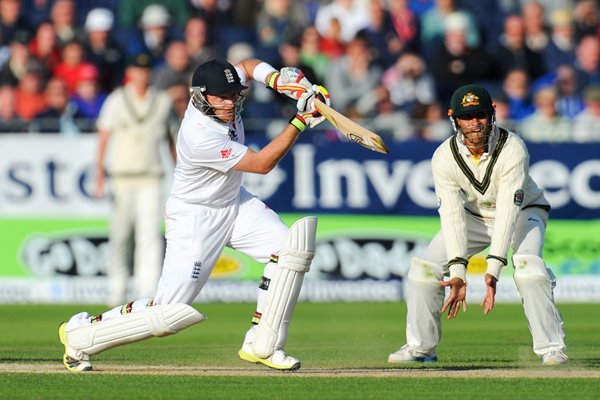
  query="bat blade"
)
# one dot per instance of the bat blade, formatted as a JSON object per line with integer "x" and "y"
{"x": 351, "y": 129}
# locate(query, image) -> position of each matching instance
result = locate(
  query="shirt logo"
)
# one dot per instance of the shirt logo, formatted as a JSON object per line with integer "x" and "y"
{"x": 229, "y": 76}
{"x": 518, "y": 198}
{"x": 225, "y": 153}
{"x": 196, "y": 270}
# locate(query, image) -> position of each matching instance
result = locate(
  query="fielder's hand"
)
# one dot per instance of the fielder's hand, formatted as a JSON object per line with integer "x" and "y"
{"x": 290, "y": 82}
{"x": 457, "y": 297}
{"x": 490, "y": 294}
{"x": 307, "y": 112}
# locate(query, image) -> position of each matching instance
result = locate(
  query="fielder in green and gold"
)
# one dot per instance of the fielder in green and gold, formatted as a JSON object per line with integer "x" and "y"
{"x": 486, "y": 197}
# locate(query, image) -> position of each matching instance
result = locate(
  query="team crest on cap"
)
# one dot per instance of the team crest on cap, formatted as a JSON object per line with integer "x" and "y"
{"x": 229, "y": 76}
{"x": 470, "y": 99}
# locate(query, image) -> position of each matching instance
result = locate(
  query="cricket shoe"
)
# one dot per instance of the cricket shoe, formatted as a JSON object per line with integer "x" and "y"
{"x": 408, "y": 355}
{"x": 79, "y": 363}
{"x": 554, "y": 358}
{"x": 278, "y": 360}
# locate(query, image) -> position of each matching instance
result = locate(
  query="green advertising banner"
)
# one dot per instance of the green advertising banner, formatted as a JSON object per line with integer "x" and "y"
{"x": 357, "y": 257}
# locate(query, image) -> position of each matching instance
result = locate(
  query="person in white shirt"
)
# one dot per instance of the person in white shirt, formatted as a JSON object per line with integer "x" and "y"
{"x": 486, "y": 197}
{"x": 207, "y": 210}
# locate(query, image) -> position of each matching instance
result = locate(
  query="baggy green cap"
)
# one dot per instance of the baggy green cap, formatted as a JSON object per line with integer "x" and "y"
{"x": 470, "y": 99}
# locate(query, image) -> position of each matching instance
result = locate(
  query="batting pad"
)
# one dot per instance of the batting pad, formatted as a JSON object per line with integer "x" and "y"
{"x": 159, "y": 320}
{"x": 294, "y": 261}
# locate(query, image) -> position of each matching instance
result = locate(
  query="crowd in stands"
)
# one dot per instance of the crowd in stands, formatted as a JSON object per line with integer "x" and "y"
{"x": 392, "y": 64}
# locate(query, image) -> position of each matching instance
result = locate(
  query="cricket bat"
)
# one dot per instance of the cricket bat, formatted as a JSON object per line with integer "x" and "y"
{"x": 351, "y": 129}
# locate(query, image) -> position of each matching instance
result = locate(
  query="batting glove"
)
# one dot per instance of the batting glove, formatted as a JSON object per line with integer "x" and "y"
{"x": 307, "y": 111}
{"x": 290, "y": 82}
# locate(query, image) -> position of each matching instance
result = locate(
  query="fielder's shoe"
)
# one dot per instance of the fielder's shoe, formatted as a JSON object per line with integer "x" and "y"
{"x": 73, "y": 364}
{"x": 277, "y": 360}
{"x": 555, "y": 357}
{"x": 408, "y": 355}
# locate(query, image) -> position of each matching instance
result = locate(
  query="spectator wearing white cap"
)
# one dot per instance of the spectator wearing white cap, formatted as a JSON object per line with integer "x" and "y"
{"x": 102, "y": 50}
{"x": 131, "y": 11}
{"x": 155, "y": 24}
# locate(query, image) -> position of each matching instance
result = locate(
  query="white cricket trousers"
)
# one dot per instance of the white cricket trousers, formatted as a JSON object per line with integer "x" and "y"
{"x": 425, "y": 296}
{"x": 137, "y": 211}
{"x": 197, "y": 234}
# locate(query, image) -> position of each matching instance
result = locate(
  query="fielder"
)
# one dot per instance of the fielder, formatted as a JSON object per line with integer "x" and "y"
{"x": 207, "y": 210}
{"x": 486, "y": 198}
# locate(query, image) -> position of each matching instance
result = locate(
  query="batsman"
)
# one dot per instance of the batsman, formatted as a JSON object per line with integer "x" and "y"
{"x": 486, "y": 197}
{"x": 209, "y": 209}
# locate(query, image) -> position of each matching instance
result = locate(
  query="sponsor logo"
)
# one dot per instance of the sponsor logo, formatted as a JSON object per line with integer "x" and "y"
{"x": 225, "y": 153}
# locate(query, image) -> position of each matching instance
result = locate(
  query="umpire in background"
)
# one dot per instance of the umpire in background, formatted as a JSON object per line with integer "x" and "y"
{"x": 134, "y": 121}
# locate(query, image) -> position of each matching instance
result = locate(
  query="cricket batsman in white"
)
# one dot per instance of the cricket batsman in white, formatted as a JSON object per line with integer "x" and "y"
{"x": 486, "y": 197}
{"x": 207, "y": 210}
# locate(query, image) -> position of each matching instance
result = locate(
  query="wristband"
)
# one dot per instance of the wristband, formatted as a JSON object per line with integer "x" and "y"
{"x": 298, "y": 122}
{"x": 261, "y": 71}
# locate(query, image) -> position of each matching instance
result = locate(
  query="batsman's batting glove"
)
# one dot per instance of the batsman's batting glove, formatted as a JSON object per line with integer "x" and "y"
{"x": 307, "y": 110}
{"x": 290, "y": 82}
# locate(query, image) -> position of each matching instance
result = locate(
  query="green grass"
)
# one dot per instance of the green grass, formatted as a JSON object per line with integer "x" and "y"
{"x": 324, "y": 336}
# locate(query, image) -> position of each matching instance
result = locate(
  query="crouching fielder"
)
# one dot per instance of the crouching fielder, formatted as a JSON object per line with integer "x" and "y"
{"x": 486, "y": 198}
{"x": 207, "y": 210}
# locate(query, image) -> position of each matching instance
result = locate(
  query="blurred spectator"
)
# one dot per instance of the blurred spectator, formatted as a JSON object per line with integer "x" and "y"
{"x": 517, "y": 90}
{"x": 382, "y": 117}
{"x": 177, "y": 68}
{"x": 587, "y": 64}
{"x": 102, "y": 50}
{"x": 155, "y": 35}
{"x": 489, "y": 15}
{"x": 10, "y": 121}
{"x": 311, "y": 54}
{"x": 60, "y": 115}
{"x": 502, "y": 108}
{"x": 12, "y": 21}
{"x": 289, "y": 56}
{"x": 217, "y": 16}
{"x": 510, "y": 52}
{"x": 586, "y": 18}
{"x": 351, "y": 16}
{"x": 433, "y": 25}
{"x": 180, "y": 97}
{"x": 561, "y": 49}
{"x": 569, "y": 102}
{"x": 409, "y": 82}
{"x": 455, "y": 63}
{"x": 546, "y": 124}
{"x": 131, "y": 11}
{"x": 72, "y": 61}
{"x": 331, "y": 43}
{"x": 30, "y": 98}
{"x": 586, "y": 126}
{"x": 432, "y": 122}
{"x": 44, "y": 47}
{"x": 278, "y": 21}
{"x": 406, "y": 25}
{"x": 382, "y": 36}
{"x": 19, "y": 63}
{"x": 536, "y": 32}
{"x": 63, "y": 15}
{"x": 87, "y": 97}
{"x": 352, "y": 75}
{"x": 196, "y": 41}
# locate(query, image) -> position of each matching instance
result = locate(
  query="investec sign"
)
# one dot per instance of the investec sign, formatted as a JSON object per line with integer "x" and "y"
{"x": 52, "y": 176}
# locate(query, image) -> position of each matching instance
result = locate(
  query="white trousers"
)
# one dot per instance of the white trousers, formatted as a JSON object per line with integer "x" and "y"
{"x": 425, "y": 296}
{"x": 196, "y": 236}
{"x": 136, "y": 214}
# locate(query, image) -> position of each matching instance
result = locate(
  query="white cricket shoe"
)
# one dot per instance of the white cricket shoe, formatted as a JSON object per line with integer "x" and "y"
{"x": 278, "y": 360}
{"x": 554, "y": 358}
{"x": 74, "y": 361}
{"x": 408, "y": 355}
